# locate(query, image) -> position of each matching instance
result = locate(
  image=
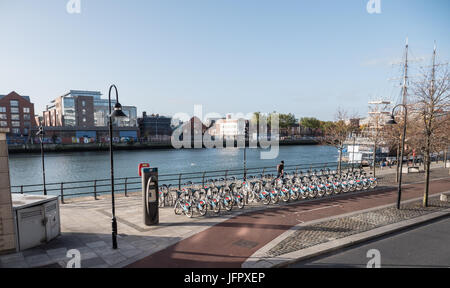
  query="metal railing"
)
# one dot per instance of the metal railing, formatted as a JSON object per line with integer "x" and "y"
{"x": 127, "y": 185}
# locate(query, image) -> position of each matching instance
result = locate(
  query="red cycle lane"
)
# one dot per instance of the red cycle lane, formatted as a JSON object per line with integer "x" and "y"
{"x": 230, "y": 243}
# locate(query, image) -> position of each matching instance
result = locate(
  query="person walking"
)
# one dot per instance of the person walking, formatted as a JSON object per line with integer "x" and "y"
{"x": 280, "y": 170}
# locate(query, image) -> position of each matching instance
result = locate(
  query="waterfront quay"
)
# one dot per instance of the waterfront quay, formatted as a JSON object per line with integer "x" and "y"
{"x": 34, "y": 148}
{"x": 231, "y": 239}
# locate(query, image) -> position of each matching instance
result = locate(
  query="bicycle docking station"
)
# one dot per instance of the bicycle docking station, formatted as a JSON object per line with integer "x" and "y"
{"x": 150, "y": 195}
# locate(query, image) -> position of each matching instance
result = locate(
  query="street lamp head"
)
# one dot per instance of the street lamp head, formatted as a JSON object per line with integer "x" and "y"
{"x": 118, "y": 113}
{"x": 41, "y": 131}
{"x": 391, "y": 121}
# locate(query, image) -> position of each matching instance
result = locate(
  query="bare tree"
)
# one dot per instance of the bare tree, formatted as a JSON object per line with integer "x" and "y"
{"x": 432, "y": 102}
{"x": 337, "y": 132}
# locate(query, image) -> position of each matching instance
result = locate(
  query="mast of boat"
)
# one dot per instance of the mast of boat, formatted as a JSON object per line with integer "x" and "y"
{"x": 405, "y": 75}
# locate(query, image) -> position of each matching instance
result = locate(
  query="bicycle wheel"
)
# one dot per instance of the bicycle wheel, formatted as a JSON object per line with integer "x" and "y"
{"x": 321, "y": 192}
{"x": 177, "y": 208}
{"x": 337, "y": 189}
{"x": 241, "y": 204}
{"x": 190, "y": 212}
{"x": 251, "y": 197}
{"x": 170, "y": 200}
{"x": 161, "y": 200}
{"x": 285, "y": 197}
{"x": 229, "y": 206}
{"x": 216, "y": 208}
{"x": 203, "y": 209}
{"x": 312, "y": 193}
{"x": 294, "y": 196}
{"x": 266, "y": 200}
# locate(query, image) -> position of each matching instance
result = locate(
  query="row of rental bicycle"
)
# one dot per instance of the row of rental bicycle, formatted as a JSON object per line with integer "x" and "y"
{"x": 218, "y": 194}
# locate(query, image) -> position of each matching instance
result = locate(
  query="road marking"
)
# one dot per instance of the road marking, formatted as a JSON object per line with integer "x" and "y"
{"x": 320, "y": 208}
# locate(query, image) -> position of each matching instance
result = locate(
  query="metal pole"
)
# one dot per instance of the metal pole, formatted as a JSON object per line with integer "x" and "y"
{"x": 43, "y": 162}
{"x": 126, "y": 187}
{"x": 353, "y": 153}
{"x": 62, "y": 192}
{"x": 245, "y": 162}
{"x": 401, "y": 159}
{"x": 95, "y": 189}
{"x": 113, "y": 220}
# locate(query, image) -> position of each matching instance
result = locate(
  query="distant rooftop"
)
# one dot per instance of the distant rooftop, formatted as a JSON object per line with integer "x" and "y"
{"x": 25, "y": 97}
{"x": 95, "y": 94}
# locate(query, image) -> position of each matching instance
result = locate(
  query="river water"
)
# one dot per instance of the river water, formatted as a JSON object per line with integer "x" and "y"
{"x": 77, "y": 166}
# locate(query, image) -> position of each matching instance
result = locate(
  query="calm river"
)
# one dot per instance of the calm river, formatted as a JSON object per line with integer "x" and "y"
{"x": 63, "y": 167}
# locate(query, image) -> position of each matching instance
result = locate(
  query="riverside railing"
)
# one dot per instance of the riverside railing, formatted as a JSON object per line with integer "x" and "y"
{"x": 175, "y": 181}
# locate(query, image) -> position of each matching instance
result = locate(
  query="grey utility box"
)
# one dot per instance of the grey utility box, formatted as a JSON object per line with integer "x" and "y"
{"x": 36, "y": 219}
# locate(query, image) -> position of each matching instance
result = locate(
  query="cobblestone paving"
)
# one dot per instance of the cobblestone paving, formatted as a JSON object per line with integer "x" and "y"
{"x": 323, "y": 232}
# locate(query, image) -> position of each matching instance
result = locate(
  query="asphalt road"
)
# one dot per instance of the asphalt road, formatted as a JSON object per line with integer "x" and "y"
{"x": 426, "y": 245}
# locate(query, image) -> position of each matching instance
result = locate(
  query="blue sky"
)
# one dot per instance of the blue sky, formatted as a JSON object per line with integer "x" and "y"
{"x": 305, "y": 57}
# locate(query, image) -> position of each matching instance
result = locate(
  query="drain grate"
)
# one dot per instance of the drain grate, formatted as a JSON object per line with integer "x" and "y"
{"x": 245, "y": 243}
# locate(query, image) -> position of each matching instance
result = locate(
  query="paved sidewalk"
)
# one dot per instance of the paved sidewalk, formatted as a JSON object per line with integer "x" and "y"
{"x": 86, "y": 226}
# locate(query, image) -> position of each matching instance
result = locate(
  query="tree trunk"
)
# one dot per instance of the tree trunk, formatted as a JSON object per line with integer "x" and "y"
{"x": 427, "y": 172}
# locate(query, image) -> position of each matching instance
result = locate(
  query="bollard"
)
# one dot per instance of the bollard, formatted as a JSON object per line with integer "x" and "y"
{"x": 62, "y": 193}
{"x": 126, "y": 186}
{"x": 95, "y": 189}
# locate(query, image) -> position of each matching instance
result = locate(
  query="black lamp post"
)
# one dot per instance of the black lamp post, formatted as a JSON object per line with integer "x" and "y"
{"x": 245, "y": 150}
{"x": 116, "y": 114}
{"x": 40, "y": 133}
{"x": 393, "y": 122}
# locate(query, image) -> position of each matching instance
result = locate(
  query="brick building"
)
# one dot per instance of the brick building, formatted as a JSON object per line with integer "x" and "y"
{"x": 17, "y": 114}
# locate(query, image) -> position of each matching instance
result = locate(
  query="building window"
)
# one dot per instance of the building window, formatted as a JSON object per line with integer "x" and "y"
{"x": 69, "y": 102}
{"x": 26, "y": 110}
{"x": 14, "y": 103}
{"x": 15, "y": 117}
{"x": 27, "y": 116}
{"x": 3, "y": 117}
{"x": 84, "y": 119}
{"x": 15, "y": 123}
{"x": 3, "y": 123}
{"x": 15, "y": 130}
{"x": 27, "y": 123}
{"x": 2, "y": 109}
{"x": 14, "y": 110}
{"x": 25, "y": 131}
{"x": 83, "y": 103}
{"x": 84, "y": 111}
